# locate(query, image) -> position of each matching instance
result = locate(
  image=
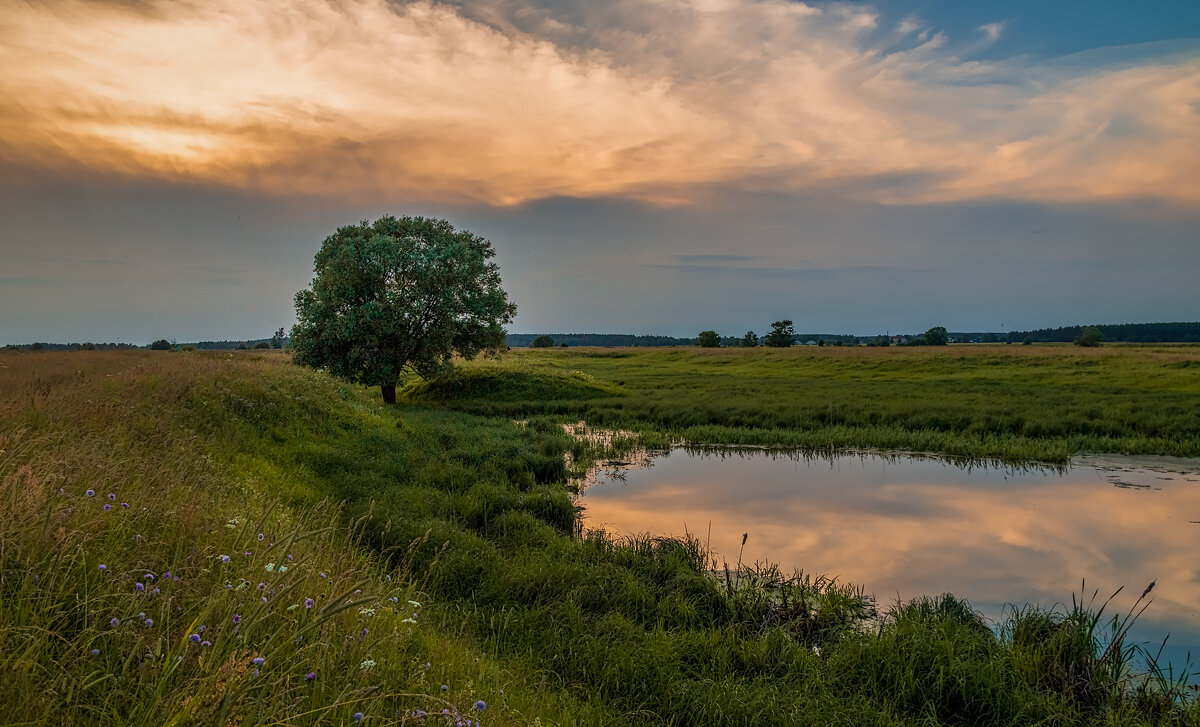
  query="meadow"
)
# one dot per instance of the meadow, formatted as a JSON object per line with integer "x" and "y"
{"x": 207, "y": 538}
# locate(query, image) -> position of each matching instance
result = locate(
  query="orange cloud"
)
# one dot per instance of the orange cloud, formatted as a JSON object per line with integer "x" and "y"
{"x": 369, "y": 97}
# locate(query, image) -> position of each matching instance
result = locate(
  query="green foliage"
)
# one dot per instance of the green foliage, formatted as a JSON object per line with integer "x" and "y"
{"x": 399, "y": 295}
{"x": 750, "y": 340}
{"x": 278, "y": 339}
{"x": 542, "y": 341}
{"x": 782, "y": 335}
{"x": 161, "y": 344}
{"x": 708, "y": 339}
{"x": 936, "y": 336}
{"x": 262, "y": 345}
{"x": 1090, "y": 337}
{"x": 88, "y": 347}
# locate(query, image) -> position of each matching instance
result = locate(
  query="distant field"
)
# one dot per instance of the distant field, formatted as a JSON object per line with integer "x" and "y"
{"x": 1001, "y": 401}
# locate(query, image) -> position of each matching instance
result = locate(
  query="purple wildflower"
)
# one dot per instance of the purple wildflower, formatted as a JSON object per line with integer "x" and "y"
{"x": 114, "y": 622}
{"x": 103, "y": 567}
{"x": 445, "y": 687}
{"x": 149, "y": 577}
{"x": 194, "y": 638}
{"x": 237, "y": 618}
{"x": 167, "y": 575}
{"x": 224, "y": 558}
{"x": 111, "y": 496}
{"x": 308, "y": 602}
{"x": 206, "y": 643}
{"x": 310, "y": 676}
{"x": 247, "y": 554}
{"x": 201, "y": 629}
{"x": 138, "y": 586}
{"x": 154, "y": 591}
{"x": 95, "y": 652}
{"x": 90, "y": 493}
{"x": 262, "y": 586}
{"x": 322, "y": 574}
{"x": 364, "y": 634}
{"x": 125, "y": 505}
{"x": 107, "y": 507}
{"x": 358, "y": 716}
{"x": 289, "y": 557}
{"x": 260, "y": 536}
{"x": 149, "y": 623}
{"x": 480, "y": 705}
{"x": 257, "y": 661}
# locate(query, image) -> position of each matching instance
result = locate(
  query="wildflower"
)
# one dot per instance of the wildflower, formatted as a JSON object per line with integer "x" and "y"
{"x": 149, "y": 623}
{"x": 154, "y": 591}
{"x": 264, "y": 599}
{"x": 260, "y": 536}
{"x": 107, "y": 507}
{"x": 114, "y": 622}
{"x": 270, "y": 567}
{"x": 364, "y": 634}
{"x": 194, "y": 638}
{"x": 257, "y": 661}
{"x": 322, "y": 574}
{"x": 299, "y": 639}
{"x": 358, "y": 716}
{"x": 150, "y": 576}
{"x": 111, "y": 496}
{"x": 262, "y": 586}
{"x": 167, "y": 575}
{"x": 308, "y": 602}
{"x": 445, "y": 687}
{"x": 103, "y": 567}
{"x": 95, "y": 652}
{"x": 201, "y": 629}
{"x": 367, "y": 664}
{"x": 90, "y": 493}
{"x": 237, "y": 618}
{"x": 387, "y": 578}
{"x": 224, "y": 558}
{"x": 206, "y": 643}
{"x": 310, "y": 676}
{"x": 283, "y": 569}
{"x": 142, "y": 614}
{"x": 125, "y": 505}
{"x": 480, "y": 705}
{"x": 289, "y": 558}
{"x": 255, "y": 674}
{"x": 247, "y": 554}
{"x": 138, "y": 586}
{"x": 137, "y": 537}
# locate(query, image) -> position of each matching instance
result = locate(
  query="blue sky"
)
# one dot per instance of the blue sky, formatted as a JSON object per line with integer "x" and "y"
{"x": 170, "y": 170}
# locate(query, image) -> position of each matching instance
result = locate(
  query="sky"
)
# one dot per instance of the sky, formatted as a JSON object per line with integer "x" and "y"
{"x": 169, "y": 169}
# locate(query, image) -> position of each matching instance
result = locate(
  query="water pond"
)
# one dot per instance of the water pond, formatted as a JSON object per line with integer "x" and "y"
{"x": 904, "y": 526}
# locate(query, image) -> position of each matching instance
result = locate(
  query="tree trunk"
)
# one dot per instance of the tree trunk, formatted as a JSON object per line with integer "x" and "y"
{"x": 389, "y": 393}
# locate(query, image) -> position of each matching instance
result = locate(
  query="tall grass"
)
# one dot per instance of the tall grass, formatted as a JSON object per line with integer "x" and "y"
{"x": 381, "y": 508}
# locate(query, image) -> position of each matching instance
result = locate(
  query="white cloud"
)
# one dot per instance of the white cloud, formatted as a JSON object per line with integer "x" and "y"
{"x": 505, "y": 102}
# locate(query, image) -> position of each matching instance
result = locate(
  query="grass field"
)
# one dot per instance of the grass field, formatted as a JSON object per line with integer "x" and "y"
{"x": 315, "y": 490}
{"x": 1014, "y": 402}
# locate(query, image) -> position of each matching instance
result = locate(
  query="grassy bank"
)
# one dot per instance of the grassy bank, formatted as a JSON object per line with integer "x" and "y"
{"x": 1015, "y": 402}
{"x": 381, "y": 508}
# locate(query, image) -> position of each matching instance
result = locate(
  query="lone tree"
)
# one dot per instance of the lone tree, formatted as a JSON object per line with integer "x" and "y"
{"x": 1090, "y": 337}
{"x": 782, "y": 335}
{"x": 708, "y": 339}
{"x": 542, "y": 341}
{"x": 937, "y": 336}
{"x": 399, "y": 295}
{"x": 750, "y": 340}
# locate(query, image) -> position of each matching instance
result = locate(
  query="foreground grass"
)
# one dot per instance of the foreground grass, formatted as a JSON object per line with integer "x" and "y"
{"x": 466, "y": 515}
{"x": 1042, "y": 403}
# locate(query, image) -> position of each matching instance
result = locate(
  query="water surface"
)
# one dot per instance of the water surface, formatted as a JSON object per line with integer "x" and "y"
{"x": 903, "y": 526}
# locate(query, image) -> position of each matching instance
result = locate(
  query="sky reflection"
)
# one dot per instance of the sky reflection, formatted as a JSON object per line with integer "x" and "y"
{"x": 906, "y": 527}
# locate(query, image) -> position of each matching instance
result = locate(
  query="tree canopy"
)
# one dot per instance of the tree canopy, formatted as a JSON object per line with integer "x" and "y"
{"x": 542, "y": 341}
{"x": 708, "y": 339}
{"x": 782, "y": 335}
{"x": 399, "y": 295}
{"x": 936, "y": 336}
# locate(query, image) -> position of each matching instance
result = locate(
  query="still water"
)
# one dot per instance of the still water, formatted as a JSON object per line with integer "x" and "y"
{"x": 903, "y": 527}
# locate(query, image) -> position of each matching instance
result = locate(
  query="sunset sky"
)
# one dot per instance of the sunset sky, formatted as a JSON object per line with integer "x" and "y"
{"x": 168, "y": 169}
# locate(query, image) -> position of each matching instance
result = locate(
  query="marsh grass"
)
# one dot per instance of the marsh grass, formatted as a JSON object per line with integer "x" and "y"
{"x": 463, "y": 513}
{"x": 1042, "y": 403}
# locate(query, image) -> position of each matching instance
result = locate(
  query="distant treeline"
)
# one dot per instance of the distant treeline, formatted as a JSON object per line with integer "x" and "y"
{"x": 88, "y": 346}
{"x": 520, "y": 340}
{"x": 1127, "y": 332}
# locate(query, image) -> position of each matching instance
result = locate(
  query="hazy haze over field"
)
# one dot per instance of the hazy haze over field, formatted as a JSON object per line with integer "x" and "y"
{"x": 169, "y": 168}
